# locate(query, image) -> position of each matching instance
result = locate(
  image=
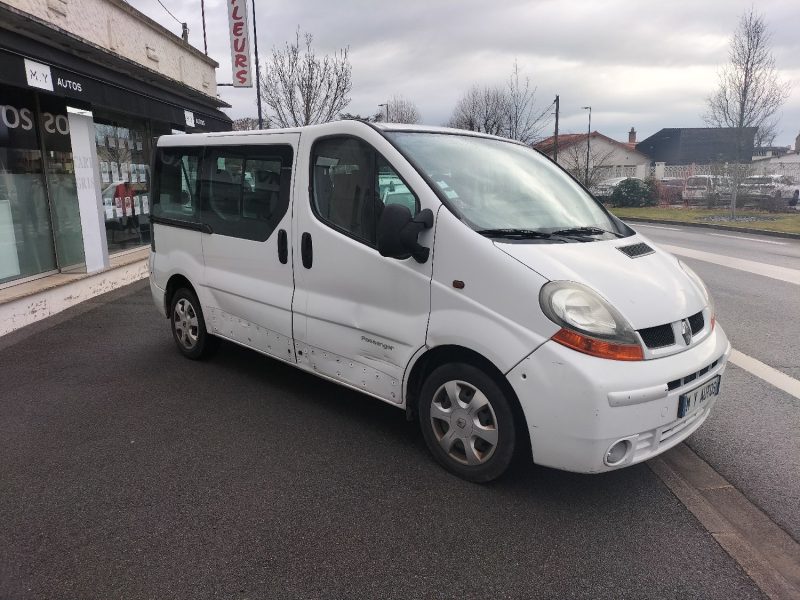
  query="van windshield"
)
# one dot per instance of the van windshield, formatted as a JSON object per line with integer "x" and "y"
{"x": 497, "y": 185}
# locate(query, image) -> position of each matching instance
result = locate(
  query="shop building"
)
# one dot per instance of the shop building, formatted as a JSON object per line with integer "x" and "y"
{"x": 85, "y": 88}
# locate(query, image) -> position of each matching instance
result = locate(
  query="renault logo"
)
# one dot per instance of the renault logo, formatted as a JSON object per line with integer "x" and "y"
{"x": 686, "y": 331}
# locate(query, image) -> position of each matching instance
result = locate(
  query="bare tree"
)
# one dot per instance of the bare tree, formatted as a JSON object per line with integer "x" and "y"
{"x": 402, "y": 111}
{"x": 573, "y": 159}
{"x": 750, "y": 92}
{"x": 525, "y": 121}
{"x": 301, "y": 88}
{"x": 245, "y": 124}
{"x": 481, "y": 109}
{"x": 508, "y": 111}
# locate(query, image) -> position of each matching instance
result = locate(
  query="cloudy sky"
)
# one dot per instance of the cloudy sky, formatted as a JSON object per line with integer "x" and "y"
{"x": 646, "y": 65}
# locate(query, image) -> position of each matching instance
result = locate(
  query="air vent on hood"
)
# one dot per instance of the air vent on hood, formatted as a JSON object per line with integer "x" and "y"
{"x": 635, "y": 250}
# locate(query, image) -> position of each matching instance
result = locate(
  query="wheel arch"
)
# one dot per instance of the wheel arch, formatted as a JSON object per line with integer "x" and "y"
{"x": 435, "y": 357}
{"x": 176, "y": 282}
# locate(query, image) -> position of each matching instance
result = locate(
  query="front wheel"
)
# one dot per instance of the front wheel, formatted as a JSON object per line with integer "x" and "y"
{"x": 467, "y": 422}
{"x": 188, "y": 326}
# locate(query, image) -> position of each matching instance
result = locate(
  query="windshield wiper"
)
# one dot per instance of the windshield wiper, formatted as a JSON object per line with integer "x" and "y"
{"x": 585, "y": 231}
{"x": 514, "y": 233}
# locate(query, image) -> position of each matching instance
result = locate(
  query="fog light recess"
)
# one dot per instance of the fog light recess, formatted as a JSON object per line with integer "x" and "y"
{"x": 617, "y": 452}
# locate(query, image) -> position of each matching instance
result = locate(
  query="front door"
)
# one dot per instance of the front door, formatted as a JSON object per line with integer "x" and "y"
{"x": 246, "y": 196}
{"x": 359, "y": 317}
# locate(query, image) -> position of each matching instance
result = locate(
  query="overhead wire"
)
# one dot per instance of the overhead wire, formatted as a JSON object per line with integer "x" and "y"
{"x": 169, "y": 13}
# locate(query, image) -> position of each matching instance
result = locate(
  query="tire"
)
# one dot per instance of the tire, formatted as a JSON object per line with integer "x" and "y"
{"x": 189, "y": 327}
{"x": 475, "y": 440}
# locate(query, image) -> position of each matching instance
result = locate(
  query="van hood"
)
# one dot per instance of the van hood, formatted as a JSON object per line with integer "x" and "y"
{"x": 647, "y": 290}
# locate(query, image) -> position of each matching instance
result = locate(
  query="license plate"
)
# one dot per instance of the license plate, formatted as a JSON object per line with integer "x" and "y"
{"x": 691, "y": 401}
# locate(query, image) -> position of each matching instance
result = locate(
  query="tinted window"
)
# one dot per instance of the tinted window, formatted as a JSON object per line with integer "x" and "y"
{"x": 177, "y": 172}
{"x": 351, "y": 185}
{"x": 246, "y": 190}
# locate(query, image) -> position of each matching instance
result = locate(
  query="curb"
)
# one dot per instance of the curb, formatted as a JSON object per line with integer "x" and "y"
{"x": 31, "y": 308}
{"x": 769, "y": 555}
{"x": 781, "y": 234}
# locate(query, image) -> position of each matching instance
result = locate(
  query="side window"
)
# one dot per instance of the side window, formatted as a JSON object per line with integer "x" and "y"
{"x": 392, "y": 189}
{"x": 351, "y": 185}
{"x": 246, "y": 190}
{"x": 177, "y": 174}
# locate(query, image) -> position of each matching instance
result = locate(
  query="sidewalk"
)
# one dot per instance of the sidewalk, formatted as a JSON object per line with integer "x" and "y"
{"x": 29, "y": 302}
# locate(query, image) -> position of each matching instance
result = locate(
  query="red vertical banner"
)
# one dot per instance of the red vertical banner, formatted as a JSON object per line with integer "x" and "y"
{"x": 240, "y": 45}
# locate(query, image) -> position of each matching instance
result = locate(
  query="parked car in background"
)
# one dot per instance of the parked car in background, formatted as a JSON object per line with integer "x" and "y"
{"x": 706, "y": 189}
{"x": 769, "y": 186}
{"x": 605, "y": 188}
{"x": 670, "y": 190}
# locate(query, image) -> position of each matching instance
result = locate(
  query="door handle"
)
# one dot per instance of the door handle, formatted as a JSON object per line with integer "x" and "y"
{"x": 306, "y": 250}
{"x": 283, "y": 246}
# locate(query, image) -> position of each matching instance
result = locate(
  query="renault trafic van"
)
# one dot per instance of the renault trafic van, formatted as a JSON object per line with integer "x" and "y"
{"x": 493, "y": 299}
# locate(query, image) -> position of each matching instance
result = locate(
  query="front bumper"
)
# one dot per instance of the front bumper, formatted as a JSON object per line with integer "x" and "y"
{"x": 577, "y": 406}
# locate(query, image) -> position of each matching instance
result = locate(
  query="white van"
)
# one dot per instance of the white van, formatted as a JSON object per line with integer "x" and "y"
{"x": 495, "y": 300}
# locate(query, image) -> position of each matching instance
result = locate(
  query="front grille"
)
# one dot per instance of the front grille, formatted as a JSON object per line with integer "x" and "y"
{"x": 658, "y": 337}
{"x": 635, "y": 250}
{"x": 696, "y": 322}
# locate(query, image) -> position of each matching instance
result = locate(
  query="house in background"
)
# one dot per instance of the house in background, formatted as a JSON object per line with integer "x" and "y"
{"x": 697, "y": 145}
{"x": 607, "y": 157}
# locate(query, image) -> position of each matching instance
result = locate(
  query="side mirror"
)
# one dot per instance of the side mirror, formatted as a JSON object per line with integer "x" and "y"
{"x": 398, "y": 232}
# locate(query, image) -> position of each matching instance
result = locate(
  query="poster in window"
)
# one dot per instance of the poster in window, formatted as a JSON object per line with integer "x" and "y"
{"x": 124, "y": 171}
{"x": 112, "y": 142}
{"x": 134, "y": 173}
{"x": 114, "y": 171}
{"x": 104, "y": 172}
{"x": 145, "y": 204}
{"x": 139, "y": 146}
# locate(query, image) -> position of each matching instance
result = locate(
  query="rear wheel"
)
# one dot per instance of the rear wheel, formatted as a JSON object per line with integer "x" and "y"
{"x": 188, "y": 326}
{"x": 467, "y": 422}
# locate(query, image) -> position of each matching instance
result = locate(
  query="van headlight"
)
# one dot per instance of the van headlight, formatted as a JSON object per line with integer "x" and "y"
{"x": 589, "y": 324}
{"x": 703, "y": 290}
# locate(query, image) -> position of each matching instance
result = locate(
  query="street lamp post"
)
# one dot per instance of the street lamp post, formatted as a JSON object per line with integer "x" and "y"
{"x": 387, "y": 110}
{"x": 588, "y": 142}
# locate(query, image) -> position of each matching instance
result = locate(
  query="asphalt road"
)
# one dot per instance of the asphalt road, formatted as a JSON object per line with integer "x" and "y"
{"x": 127, "y": 471}
{"x": 752, "y": 437}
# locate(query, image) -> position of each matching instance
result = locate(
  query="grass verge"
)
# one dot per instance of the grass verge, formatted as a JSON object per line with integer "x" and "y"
{"x": 750, "y": 219}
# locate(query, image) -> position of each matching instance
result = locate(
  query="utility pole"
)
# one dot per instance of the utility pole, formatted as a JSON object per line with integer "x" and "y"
{"x": 203, "y": 13}
{"x": 555, "y": 135}
{"x": 588, "y": 142}
{"x": 258, "y": 70}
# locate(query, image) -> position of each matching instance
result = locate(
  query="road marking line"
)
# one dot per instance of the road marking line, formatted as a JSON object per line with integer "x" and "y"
{"x": 739, "y": 237}
{"x": 757, "y": 268}
{"x": 769, "y": 374}
{"x": 657, "y": 227}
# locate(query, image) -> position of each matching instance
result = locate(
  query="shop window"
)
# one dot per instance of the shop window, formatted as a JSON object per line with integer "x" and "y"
{"x": 61, "y": 183}
{"x": 123, "y": 153}
{"x": 26, "y": 236}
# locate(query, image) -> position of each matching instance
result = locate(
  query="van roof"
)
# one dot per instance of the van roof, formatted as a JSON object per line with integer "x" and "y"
{"x": 191, "y": 139}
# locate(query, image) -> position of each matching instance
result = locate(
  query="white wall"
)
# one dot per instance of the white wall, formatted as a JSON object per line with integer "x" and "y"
{"x": 611, "y": 155}
{"x": 117, "y": 27}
